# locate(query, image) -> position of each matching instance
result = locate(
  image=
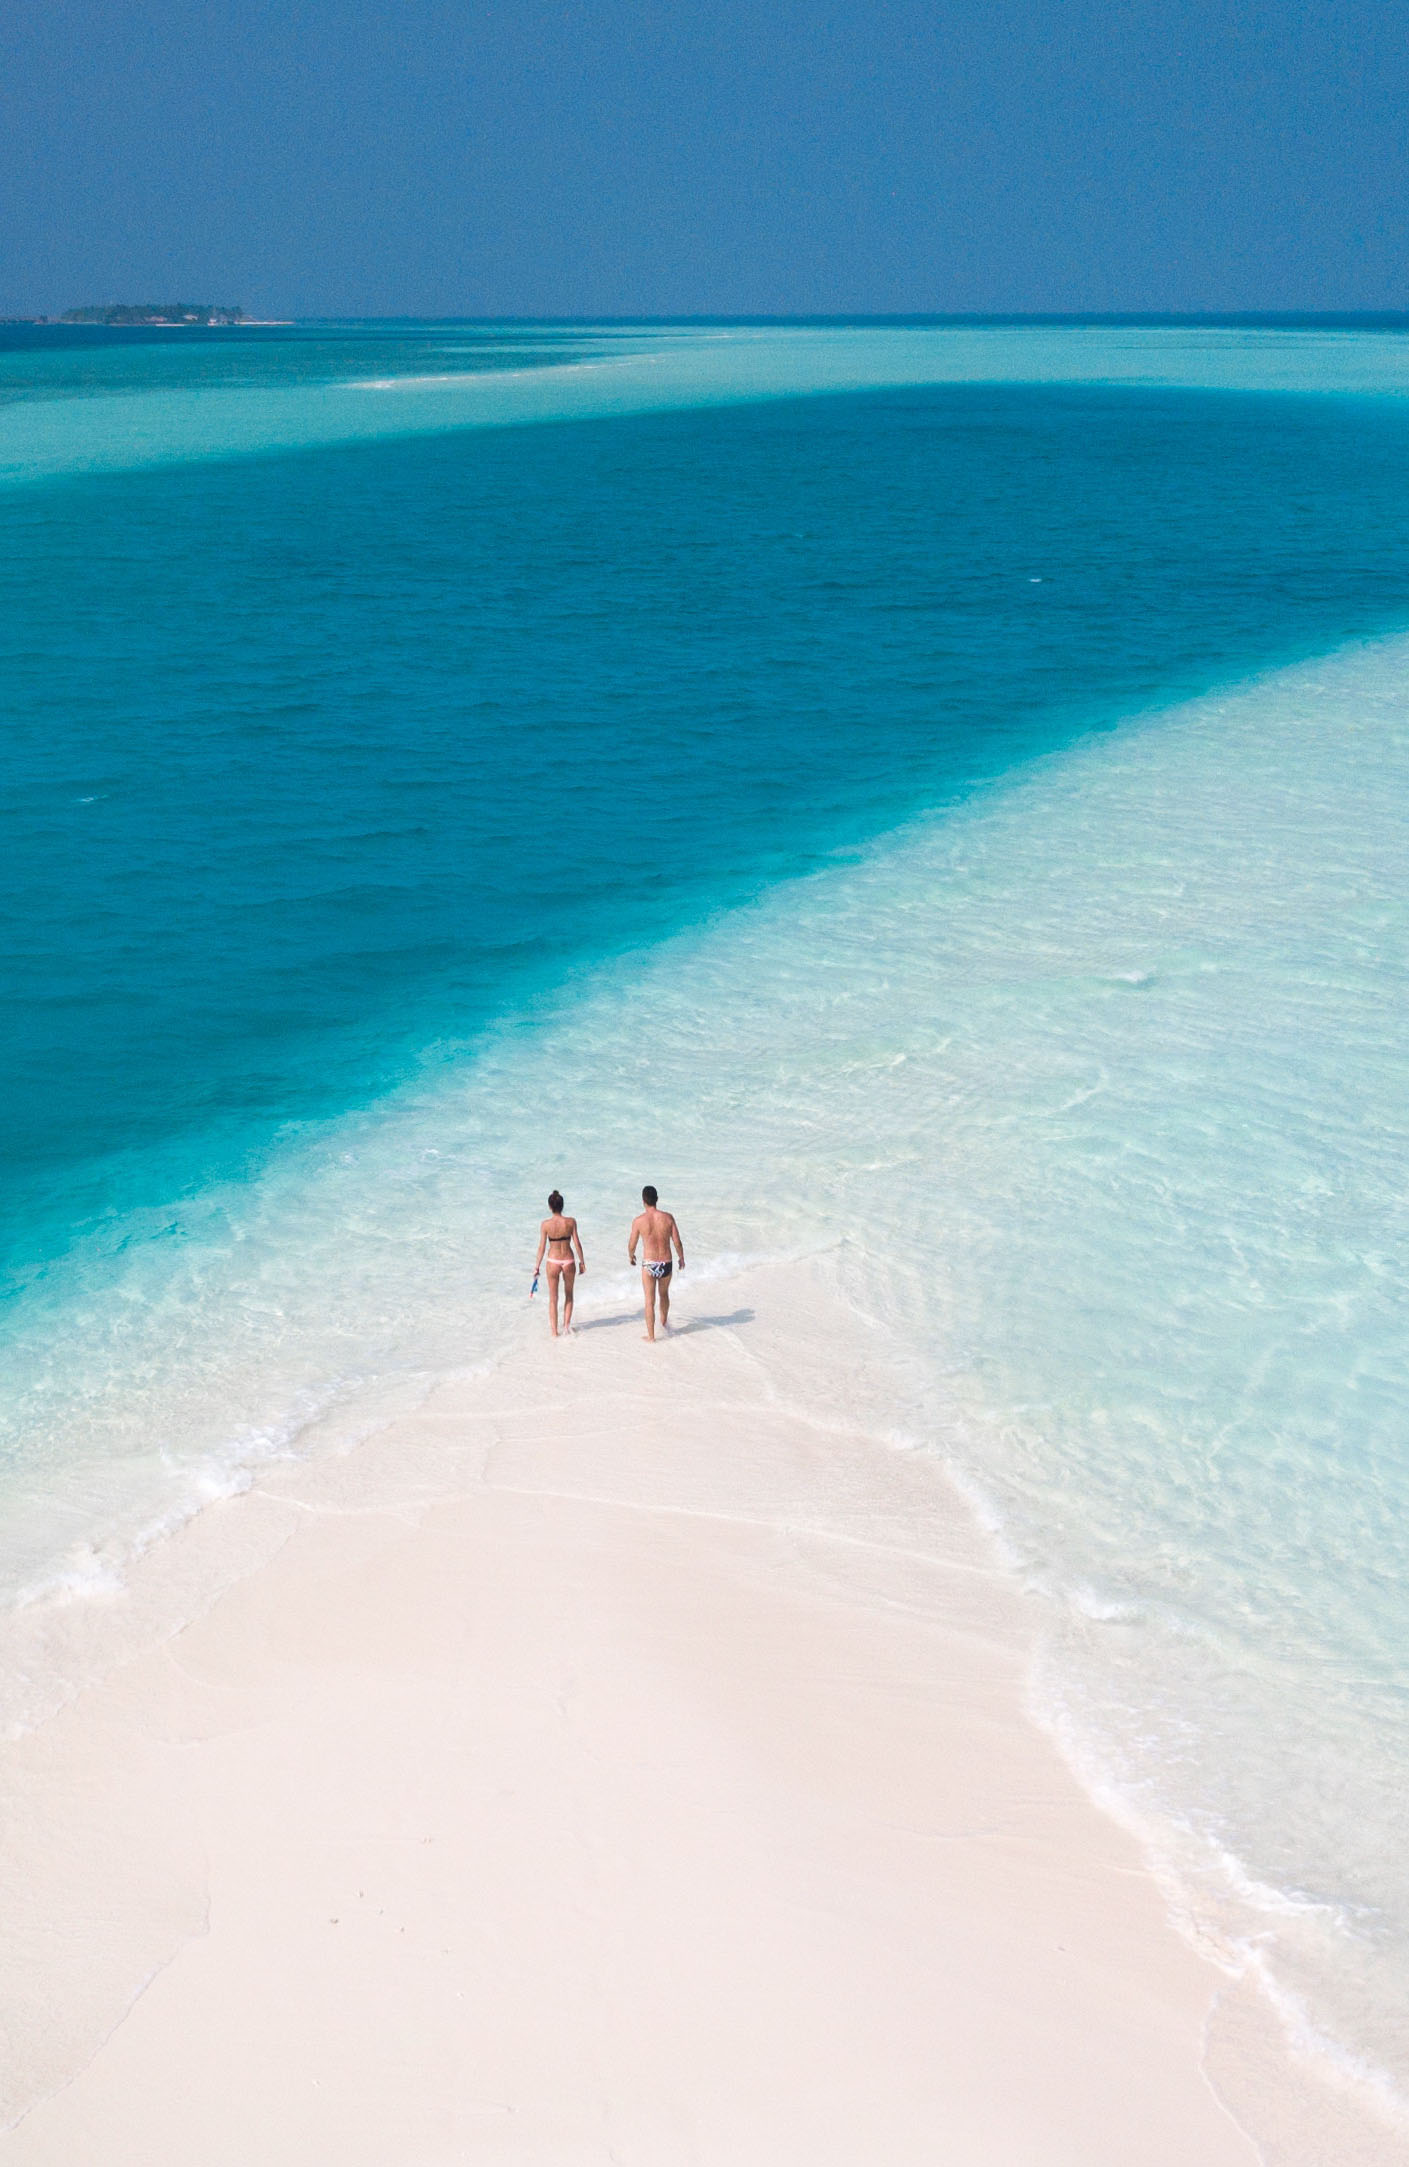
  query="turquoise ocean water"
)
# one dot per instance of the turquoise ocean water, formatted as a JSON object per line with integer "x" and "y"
{"x": 971, "y": 761}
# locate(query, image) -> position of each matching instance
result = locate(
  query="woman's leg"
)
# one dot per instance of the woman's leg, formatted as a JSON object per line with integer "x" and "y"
{"x": 568, "y": 1275}
{"x": 552, "y": 1298}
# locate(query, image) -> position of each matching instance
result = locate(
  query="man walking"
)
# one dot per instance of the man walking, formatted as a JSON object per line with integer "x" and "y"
{"x": 655, "y": 1230}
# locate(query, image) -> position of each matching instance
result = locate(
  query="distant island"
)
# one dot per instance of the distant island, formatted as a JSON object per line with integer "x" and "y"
{"x": 154, "y": 312}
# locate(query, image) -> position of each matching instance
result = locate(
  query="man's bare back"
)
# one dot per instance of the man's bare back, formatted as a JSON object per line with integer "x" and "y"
{"x": 655, "y": 1231}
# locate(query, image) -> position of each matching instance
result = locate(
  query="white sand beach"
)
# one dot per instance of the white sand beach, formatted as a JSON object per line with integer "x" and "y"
{"x": 619, "y": 1760}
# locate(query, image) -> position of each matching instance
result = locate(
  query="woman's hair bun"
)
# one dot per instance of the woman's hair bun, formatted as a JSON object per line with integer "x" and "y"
{"x": 555, "y": 1201}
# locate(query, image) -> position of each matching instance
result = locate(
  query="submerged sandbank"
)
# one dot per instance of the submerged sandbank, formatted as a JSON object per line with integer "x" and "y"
{"x": 623, "y": 1758}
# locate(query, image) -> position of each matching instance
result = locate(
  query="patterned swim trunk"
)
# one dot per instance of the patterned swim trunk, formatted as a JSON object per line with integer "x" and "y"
{"x": 657, "y": 1271}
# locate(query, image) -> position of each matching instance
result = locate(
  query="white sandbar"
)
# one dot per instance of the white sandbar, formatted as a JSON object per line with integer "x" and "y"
{"x": 614, "y": 1762}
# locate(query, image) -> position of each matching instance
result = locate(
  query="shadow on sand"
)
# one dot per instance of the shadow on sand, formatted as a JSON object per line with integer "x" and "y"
{"x": 677, "y": 1331}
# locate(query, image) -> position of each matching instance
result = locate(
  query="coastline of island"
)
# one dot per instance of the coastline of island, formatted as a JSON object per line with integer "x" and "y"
{"x": 152, "y": 316}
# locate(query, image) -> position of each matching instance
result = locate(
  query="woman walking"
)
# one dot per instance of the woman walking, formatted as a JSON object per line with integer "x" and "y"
{"x": 558, "y": 1235}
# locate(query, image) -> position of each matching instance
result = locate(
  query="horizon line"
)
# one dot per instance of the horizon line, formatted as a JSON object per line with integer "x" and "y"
{"x": 1134, "y": 318}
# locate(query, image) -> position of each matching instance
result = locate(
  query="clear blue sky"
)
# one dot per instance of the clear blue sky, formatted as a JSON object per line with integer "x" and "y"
{"x": 670, "y": 156}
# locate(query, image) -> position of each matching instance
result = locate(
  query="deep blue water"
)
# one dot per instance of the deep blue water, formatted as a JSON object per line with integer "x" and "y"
{"x": 316, "y": 760}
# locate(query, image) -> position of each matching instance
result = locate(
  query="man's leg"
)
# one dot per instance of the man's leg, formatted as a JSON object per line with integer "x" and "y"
{"x": 665, "y": 1303}
{"x": 649, "y": 1289}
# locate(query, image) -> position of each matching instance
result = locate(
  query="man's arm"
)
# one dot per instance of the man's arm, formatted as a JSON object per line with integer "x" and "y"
{"x": 633, "y": 1237}
{"x": 675, "y": 1237}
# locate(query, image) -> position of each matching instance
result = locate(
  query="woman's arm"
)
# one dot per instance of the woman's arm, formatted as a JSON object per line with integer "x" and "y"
{"x": 542, "y": 1245}
{"x": 577, "y": 1245}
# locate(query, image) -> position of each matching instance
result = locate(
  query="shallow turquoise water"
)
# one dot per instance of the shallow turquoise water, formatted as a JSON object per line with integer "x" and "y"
{"x": 362, "y": 783}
